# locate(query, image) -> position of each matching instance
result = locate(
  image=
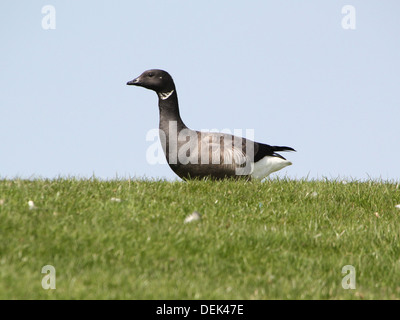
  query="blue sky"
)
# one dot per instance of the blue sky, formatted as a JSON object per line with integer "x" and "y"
{"x": 286, "y": 69}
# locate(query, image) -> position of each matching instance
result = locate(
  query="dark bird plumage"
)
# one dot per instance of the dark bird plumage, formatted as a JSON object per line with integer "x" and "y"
{"x": 195, "y": 154}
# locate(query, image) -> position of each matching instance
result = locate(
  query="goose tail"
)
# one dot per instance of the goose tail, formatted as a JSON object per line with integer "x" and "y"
{"x": 278, "y": 148}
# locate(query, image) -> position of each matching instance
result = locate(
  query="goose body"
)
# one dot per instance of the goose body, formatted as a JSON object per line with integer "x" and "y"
{"x": 196, "y": 154}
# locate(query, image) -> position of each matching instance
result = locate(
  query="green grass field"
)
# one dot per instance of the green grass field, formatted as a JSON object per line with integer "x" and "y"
{"x": 280, "y": 239}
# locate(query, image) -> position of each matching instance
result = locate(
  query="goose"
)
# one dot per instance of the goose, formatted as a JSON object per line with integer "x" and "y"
{"x": 195, "y": 154}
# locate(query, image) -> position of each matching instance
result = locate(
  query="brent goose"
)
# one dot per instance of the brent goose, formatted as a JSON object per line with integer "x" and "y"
{"x": 196, "y": 154}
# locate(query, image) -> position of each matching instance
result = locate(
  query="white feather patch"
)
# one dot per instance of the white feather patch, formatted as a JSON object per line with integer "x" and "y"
{"x": 268, "y": 165}
{"x": 165, "y": 95}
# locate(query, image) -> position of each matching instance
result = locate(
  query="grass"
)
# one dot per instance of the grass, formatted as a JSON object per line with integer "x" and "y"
{"x": 281, "y": 239}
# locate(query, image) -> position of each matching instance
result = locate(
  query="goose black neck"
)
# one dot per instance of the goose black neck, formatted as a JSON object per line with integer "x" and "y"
{"x": 169, "y": 110}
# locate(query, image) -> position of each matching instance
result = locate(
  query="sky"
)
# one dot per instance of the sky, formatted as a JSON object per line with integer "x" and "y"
{"x": 303, "y": 74}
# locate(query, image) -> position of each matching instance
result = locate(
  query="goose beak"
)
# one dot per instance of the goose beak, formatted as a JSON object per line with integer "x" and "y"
{"x": 134, "y": 82}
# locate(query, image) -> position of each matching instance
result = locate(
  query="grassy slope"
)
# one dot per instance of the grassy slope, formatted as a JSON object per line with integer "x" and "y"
{"x": 274, "y": 240}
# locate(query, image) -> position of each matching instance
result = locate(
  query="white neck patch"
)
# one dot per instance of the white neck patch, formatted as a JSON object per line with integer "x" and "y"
{"x": 165, "y": 95}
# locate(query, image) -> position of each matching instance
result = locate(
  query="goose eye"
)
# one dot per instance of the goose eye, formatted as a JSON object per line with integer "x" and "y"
{"x": 151, "y": 74}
